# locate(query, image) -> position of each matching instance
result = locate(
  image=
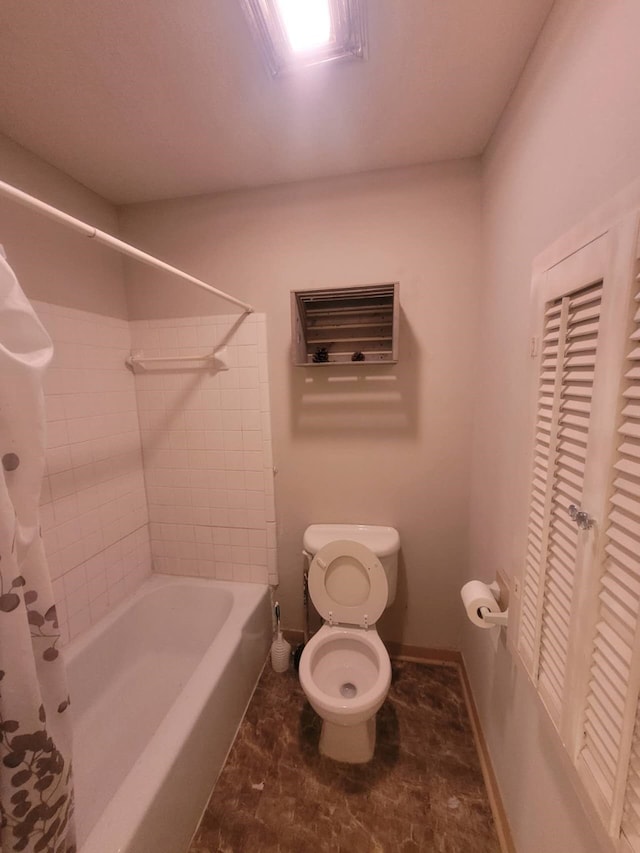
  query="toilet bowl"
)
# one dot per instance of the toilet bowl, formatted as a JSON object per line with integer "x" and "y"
{"x": 345, "y": 669}
{"x": 345, "y": 674}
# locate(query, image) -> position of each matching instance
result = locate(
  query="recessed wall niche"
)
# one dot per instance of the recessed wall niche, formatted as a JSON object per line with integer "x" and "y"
{"x": 347, "y": 325}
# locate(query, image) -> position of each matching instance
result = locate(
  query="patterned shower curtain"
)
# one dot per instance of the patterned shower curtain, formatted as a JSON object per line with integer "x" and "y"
{"x": 36, "y": 798}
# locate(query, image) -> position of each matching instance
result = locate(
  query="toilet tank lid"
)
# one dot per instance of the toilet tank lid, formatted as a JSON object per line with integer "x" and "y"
{"x": 383, "y": 541}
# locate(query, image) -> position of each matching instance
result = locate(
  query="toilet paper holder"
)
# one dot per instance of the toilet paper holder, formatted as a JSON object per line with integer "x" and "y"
{"x": 481, "y": 602}
{"x": 500, "y": 619}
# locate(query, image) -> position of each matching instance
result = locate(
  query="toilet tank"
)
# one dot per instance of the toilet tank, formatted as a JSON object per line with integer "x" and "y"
{"x": 383, "y": 541}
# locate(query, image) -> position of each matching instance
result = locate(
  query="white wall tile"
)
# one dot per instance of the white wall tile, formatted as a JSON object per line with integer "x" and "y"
{"x": 204, "y": 436}
{"x": 207, "y": 449}
{"x": 93, "y": 495}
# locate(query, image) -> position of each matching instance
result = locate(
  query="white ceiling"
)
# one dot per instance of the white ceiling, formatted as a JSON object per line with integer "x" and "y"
{"x": 145, "y": 99}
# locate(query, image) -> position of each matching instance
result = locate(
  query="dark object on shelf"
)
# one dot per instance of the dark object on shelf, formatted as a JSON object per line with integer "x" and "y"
{"x": 320, "y": 355}
{"x": 358, "y": 356}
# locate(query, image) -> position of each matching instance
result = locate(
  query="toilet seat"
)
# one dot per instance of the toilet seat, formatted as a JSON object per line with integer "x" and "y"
{"x": 347, "y": 584}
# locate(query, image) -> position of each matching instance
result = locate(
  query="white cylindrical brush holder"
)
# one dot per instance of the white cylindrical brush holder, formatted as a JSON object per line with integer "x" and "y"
{"x": 280, "y": 654}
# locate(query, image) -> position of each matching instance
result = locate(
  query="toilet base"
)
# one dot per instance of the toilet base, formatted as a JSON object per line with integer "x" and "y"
{"x": 349, "y": 744}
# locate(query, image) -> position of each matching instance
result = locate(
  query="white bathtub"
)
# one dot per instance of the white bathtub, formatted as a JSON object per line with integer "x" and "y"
{"x": 158, "y": 689}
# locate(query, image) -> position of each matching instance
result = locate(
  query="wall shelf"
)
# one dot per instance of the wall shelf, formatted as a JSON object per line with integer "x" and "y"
{"x": 336, "y": 323}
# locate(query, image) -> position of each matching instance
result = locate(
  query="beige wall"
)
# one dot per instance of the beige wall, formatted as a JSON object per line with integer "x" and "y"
{"x": 386, "y": 445}
{"x": 53, "y": 263}
{"x": 569, "y": 140}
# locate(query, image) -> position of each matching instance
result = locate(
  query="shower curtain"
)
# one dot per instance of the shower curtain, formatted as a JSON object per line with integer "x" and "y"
{"x": 36, "y": 797}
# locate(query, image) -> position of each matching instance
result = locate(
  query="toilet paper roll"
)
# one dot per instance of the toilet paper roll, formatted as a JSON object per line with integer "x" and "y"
{"x": 474, "y": 595}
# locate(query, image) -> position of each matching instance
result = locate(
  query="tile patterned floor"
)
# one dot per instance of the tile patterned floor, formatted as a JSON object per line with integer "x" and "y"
{"x": 423, "y": 791}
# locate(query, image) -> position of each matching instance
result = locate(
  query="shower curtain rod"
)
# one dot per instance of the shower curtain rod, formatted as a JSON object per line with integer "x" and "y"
{"x": 113, "y": 242}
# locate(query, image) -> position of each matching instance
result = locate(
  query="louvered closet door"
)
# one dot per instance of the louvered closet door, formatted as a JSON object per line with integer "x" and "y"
{"x": 552, "y": 342}
{"x": 570, "y": 305}
{"x": 631, "y": 815}
{"x": 610, "y": 707}
{"x": 570, "y": 343}
{"x": 579, "y": 625}
{"x": 624, "y": 584}
{"x": 566, "y": 539}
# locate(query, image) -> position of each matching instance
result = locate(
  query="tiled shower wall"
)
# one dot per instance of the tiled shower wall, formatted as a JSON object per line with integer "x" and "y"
{"x": 206, "y": 440}
{"x": 207, "y": 458}
{"x": 94, "y": 512}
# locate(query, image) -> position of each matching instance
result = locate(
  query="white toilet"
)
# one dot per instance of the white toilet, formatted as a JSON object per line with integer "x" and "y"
{"x": 345, "y": 669}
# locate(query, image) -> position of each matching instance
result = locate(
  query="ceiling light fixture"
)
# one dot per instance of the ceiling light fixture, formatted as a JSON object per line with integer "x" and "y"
{"x": 297, "y": 33}
{"x": 306, "y": 24}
